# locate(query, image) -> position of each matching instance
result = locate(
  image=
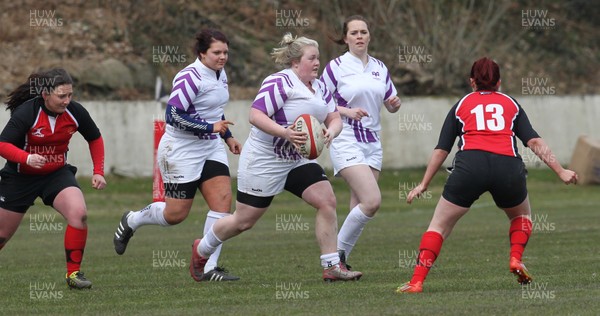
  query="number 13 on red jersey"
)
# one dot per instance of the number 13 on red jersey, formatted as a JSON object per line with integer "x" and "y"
{"x": 496, "y": 123}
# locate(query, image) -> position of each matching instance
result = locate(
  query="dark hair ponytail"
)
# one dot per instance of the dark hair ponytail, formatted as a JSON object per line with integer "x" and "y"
{"x": 340, "y": 40}
{"x": 36, "y": 84}
{"x": 486, "y": 74}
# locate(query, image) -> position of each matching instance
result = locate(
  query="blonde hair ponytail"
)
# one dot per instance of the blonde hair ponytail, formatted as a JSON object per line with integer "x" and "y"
{"x": 291, "y": 48}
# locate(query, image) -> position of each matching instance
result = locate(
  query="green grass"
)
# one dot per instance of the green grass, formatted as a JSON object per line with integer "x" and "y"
{"x": 470, "y": 277}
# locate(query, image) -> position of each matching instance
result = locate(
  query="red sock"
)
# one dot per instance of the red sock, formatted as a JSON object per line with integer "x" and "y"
{"x": 74, "y": 244}
{"x": 430, "y": 247}
{"x": 520, "y": 230}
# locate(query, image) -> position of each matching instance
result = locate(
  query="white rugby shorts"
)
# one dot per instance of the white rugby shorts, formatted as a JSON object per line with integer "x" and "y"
{"x": 181, "y": 160}
{"x": 260, "y": 172}
{"x": 345, "y": 151}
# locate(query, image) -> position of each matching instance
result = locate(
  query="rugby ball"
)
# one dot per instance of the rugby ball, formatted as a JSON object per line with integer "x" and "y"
{"x": 315, "y": 141}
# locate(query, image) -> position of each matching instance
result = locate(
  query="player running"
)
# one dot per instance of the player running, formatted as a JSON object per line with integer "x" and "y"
{"x": 270, "y": 163}
{"x": 360, "y": 84}
{"x": 35, "y": 142}
{"x": 191, "y": 155}
{"x": 487, "y": 122}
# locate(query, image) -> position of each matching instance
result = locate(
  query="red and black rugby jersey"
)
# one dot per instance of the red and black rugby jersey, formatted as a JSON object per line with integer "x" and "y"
{"x": 33, "y": 129}
{"x": 488, "y": 121}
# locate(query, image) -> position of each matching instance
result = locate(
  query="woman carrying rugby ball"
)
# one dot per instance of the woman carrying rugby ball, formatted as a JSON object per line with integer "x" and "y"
{"x": 270, "y": 161}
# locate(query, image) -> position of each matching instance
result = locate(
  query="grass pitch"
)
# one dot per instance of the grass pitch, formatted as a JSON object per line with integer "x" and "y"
{"x": 278, "y": 260}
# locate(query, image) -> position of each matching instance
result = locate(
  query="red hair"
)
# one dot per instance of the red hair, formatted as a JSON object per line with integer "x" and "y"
{"x": 486, "y": 74}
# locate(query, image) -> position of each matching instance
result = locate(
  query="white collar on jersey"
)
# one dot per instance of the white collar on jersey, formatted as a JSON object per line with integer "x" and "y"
{"x": 357, "y": 60}
{"x": 207, "y": 71}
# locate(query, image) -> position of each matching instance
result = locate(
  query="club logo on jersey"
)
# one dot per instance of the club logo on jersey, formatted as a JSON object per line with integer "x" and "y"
{"x": 38, "y": 132}
{"x": 375, "y": 74}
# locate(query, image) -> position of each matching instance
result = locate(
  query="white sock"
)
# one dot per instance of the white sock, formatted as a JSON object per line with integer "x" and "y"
{"x": 209, "y": 244}
{"x": 330, "y": 259}
{"x": 351, "y": 230}
{"x": 211, "y": 218}
{"x": 149, "y": 215}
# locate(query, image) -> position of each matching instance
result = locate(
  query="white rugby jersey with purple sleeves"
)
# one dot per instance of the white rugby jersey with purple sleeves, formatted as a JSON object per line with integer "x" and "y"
{"x": 353, "y": 85}
{"x": 283, "y": 97}
{"x": 197, "y": 100}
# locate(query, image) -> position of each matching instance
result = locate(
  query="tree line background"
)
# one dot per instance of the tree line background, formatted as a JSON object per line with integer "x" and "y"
{"x": 116, "y": 49}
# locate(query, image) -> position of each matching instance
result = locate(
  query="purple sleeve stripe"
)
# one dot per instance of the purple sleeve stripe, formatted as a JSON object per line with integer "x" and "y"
{"x": 193, "y": 71}
{"x": 268, "y": 89}
{"x": 388, "y": 93}
{"x": 280, "y": 118}
{"x": 338, "y": 61}
{"x": 259, "y": 104}
{"x": 281, "y": 92}
{"x": 190, "y": 82}
{"x": 174, "y": 101}
{"x": 264, "y": 89}
{"x": 328, "y": 98}
{"x": 187, "y": 68}
{"x": 391, "y": 89}
{"x": 321, "y": 86}
{"x": 330, "y": 75}
{"x": 272, "y": 98}
{"x": 269, "y": 86}
{"x": 339, "y": 100}
{"x": 379, "y": 62}
{"x": 274, "y": 80}
{"x": 327, "y": 95}
{"x": 197, "y": 73}
{"x": 287, "y": 80}
{"x": 284, "y": 76}
{"x": 182, "y": 90}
